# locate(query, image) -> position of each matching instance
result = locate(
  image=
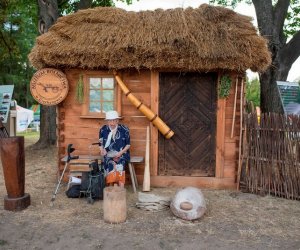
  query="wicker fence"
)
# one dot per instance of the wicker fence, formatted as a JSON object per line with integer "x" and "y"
{"x": 270, "y": 155}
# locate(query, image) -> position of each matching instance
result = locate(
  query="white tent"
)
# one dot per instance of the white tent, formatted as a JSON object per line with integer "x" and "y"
{"x": 24, "y": 118}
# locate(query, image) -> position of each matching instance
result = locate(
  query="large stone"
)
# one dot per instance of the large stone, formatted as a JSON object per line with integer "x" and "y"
{"x": 152, "y": 202}
{"x": 188, "y": 204}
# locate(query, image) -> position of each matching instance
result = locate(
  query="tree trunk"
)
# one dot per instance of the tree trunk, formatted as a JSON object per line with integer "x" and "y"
{"x": 83, "y": 4}
{"x": 48, "y": 14}
{"x": 269, "y": 98}
{"x": 270, "y": 21}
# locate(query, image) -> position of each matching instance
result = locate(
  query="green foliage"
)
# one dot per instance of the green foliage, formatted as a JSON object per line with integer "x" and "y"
{"x": 67, "y": 7}
{"x": 228, "y": 3}
{"x": 292, "y": 21}
{"x": 3, "y": 242}
{"x": 80, "y": 90}
{"x": 224, "y": 86}
{"x": 18, "y": 29}
{"x": 253, "y": 91}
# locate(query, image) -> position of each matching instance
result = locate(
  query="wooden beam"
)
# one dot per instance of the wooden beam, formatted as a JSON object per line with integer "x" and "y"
{"x": 234, "y": 107}
{"x": 241, "y": 131}
{"x": 153, "y": 129}
{"x": 183, "y": 181}
{"x": 220, "y": 143}
{"x": 79, "y": 168}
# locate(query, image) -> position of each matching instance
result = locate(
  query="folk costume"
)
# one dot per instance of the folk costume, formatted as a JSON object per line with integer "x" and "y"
{"x": 113, "y": 141}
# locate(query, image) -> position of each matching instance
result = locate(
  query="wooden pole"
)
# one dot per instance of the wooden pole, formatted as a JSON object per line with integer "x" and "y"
{"x": 146, "y": 182}
{"x": 234, "y": 107}
{"x": 156, "y": 121}
{"x": 241, "y": 131}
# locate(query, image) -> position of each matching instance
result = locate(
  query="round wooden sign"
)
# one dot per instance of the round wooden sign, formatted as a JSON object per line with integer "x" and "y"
{"x": 49, "y": 86}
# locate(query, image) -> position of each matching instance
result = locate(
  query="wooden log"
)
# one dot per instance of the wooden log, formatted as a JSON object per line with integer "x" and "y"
{"x": 114, "y": 204}
{"x": 13, "y": 162}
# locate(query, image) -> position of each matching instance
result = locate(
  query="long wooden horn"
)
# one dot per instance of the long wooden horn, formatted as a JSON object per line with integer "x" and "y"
{"x": 146, "y": 182}
{"x": 156, "y": 121}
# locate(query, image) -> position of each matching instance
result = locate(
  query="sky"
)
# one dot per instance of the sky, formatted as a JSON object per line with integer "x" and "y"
{"x": 171, "y": 4}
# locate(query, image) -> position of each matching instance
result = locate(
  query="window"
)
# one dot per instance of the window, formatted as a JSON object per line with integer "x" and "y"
{"x": 102, "y": 95}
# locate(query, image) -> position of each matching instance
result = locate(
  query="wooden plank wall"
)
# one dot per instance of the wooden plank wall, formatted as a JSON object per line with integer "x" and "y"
{"x": 81, "y": 132}
{"x": 139, "y": 83}
{"x": 228, "y": 147}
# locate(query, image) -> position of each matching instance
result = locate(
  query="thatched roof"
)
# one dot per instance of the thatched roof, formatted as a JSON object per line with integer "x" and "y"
{"x": 201, "y": 39}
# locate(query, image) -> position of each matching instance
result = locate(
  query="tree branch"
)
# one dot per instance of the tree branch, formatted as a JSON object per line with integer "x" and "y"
{"x": 291, "y": 51}
{"x": 280, "y": 12}
{"x": 48, "y": 14}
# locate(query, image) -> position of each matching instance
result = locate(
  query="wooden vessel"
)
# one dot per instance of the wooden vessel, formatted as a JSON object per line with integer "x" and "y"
{"x": 13, "y": 162}
{"x": 114, "y": 204}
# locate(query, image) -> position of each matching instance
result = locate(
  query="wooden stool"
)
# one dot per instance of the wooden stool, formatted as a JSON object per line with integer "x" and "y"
{"x": 134, "y": 159}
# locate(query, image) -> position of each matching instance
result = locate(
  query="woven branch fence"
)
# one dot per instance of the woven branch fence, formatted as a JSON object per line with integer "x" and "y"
{"x": 271, "y": 155}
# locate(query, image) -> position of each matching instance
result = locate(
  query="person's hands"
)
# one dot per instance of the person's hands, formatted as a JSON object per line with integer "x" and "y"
{"x": 103, "y": 151}
{"x": 119, "y": 154}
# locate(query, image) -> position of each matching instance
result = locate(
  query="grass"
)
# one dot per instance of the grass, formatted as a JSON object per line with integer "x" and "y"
{"x": 29, "y": 134}
{"x": 3, "y": 242}
{"x": 30, "y": 137}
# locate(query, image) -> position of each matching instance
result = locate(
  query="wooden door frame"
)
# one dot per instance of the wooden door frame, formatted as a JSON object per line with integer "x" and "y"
{"x": 220, "y": 130}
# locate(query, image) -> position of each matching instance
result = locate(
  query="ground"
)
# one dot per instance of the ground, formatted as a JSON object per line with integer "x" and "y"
{"x": 233, "y": 220}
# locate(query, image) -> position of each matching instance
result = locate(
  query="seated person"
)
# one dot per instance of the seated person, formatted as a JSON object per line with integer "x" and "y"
{"x": 114, "y": 141}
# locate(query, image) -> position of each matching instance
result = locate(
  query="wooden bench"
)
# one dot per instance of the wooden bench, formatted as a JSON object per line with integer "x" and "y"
{"x": 77, "y": 166}
{"x": 134, "y": 160}
{"x": 80, "y": 165}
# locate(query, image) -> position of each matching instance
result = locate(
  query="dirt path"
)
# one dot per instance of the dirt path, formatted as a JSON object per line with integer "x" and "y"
{"x": 233, "y": 220}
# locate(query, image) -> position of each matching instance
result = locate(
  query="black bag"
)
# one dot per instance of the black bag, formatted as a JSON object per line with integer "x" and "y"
{"x": 73, "y": 192}
{"x": 97, "y": 184}
{"x": 85, "y": 182}
{"x": 93, "y": 183}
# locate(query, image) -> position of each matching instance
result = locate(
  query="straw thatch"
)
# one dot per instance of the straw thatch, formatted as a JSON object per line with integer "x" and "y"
{"x": 199, "y": 39}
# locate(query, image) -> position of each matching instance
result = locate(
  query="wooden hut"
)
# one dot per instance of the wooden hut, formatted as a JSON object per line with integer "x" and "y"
{"x": 175, "y": 62}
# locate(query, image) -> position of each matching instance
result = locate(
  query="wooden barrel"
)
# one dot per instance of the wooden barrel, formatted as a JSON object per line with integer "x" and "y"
{"x": 114, "y": 204}
{"x": 13, "y": 163}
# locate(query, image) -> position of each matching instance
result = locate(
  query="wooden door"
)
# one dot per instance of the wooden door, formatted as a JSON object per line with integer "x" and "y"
{"x": 187, "y": 103}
